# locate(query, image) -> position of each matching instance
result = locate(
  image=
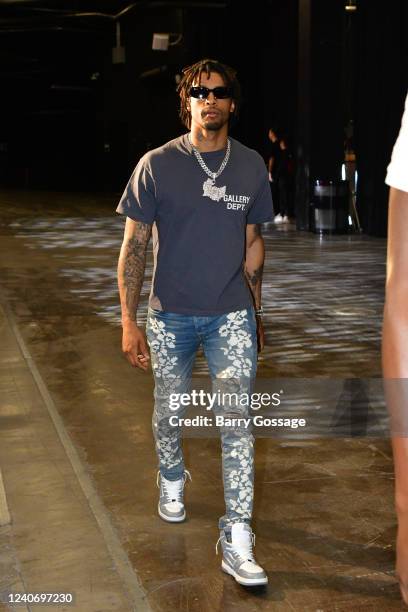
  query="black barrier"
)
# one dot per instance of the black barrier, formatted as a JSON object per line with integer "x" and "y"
{"x": 329, "y": 207}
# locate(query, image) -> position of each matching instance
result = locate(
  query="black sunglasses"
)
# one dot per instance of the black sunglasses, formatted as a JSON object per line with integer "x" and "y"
{"x": 202, "y": 93}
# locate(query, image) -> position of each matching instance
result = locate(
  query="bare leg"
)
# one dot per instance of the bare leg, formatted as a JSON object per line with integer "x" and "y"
{"x": 395, "y": 366}
{"x": 400, "y": 450}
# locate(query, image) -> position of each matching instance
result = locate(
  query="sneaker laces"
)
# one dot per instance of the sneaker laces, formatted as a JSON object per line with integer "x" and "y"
{"x": 173, "y": 489}
{"x": 242, "y": 547}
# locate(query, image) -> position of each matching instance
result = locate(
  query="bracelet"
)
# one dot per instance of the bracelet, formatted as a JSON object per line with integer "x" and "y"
{"x": 259, "y": 312}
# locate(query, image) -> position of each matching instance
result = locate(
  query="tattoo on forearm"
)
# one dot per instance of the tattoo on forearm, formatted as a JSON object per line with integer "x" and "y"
{"x": 254, "y": 262}
{"x": 254, "y": 277}
{"x": 134, "y": 268}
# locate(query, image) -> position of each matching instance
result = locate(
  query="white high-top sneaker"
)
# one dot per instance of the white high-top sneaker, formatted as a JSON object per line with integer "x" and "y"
{"x": 171, "y": 505}
{"x": 238, "y": 558}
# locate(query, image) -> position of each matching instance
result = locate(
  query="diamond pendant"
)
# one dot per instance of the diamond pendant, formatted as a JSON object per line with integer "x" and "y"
{"x": 210, "y": 190}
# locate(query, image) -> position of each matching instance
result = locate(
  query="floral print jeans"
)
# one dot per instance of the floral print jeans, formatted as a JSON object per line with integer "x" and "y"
{"x": 230, "y": 347}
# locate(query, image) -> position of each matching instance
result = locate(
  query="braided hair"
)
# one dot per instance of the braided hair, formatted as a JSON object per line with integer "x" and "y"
{"x": 192, "y": 74}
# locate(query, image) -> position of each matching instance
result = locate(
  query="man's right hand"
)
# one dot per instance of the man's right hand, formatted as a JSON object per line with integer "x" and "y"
{"x": 134, "y": 345}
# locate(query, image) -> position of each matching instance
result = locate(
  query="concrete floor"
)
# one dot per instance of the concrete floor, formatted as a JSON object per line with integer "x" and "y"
{"x": 76, "y": 450}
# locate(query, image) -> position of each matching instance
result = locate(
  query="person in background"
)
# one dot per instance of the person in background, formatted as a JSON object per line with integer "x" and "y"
{"x": 284, "y": 177}
{"x": 274, "y": 152}
{"x": 395, "y": 338}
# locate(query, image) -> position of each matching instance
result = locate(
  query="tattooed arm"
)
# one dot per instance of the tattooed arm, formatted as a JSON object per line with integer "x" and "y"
{"x": 131, "y": 268}
{"x": 254, "y": 260}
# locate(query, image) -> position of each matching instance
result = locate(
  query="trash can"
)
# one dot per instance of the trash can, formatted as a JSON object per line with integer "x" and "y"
{"x": 329, "y": 209}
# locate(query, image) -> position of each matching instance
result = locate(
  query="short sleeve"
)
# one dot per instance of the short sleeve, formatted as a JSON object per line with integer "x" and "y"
{"x": 397, "y": 171}
{"x": 139, "y": 200}
{"x": 261, "y": 209}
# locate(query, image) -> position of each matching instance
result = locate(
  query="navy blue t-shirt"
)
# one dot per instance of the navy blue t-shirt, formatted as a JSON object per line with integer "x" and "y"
{"x": 198, "y": 231}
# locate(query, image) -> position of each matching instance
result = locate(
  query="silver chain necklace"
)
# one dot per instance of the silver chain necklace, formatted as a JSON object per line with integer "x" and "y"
{"x": 210, "y": 190}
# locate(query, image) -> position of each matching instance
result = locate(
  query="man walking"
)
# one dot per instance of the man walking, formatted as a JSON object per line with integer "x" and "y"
{"x": 205, "y": 196}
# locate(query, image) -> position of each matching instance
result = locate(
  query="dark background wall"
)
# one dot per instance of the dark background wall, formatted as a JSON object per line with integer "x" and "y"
{"x": 71, "y": 119}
